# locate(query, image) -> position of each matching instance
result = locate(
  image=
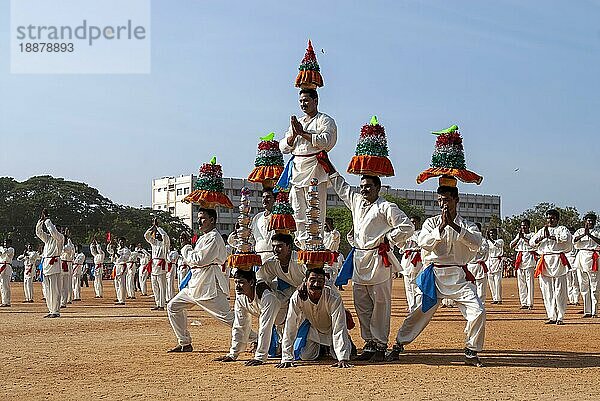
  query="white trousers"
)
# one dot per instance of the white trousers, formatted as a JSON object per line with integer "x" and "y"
{"x": 65, "y": 287}
{"x": 525, "y": 282}
{"x": 28, "y": 288}
{"x": 171, "y": 291}
{"x": 311, "y": 350}
{"x": 481, "y": 286}
{"x": 143, "y": 277}
{"x": 44, "y": 289}
{"x": 299, "y": 204}
{"x": 77, "y": 286}
{"x": 98, "y": 288}
{"x": 5, "y": 285}
{"x": 453, "y": 286}
{"x": 554, "y": 291}
{"x": 588, "y": 282}
{"x": 159, "y": 289}
{"x": 412, "y": 290}
{"x": 373, "y": 304}
{"x": 130, "y": 283}
{"x": 53, "y": 295}
{"x": 573, "y": 289}
{"x": 495, "y": 283}
{"x": 217, "y": 307}
{"x": 120, "y": 287}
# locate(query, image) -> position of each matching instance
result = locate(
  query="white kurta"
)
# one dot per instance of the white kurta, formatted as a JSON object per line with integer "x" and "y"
{"x": 523, "y": 246}
{"x": 524, "y": 271}
{"x": 327, "y": 325}
{"x": 373, "y": 223}
{"x": 587, "y": 250}
{"x": 331, "y": 240}
{"x": 265, "y": 309}
{"x": 51, "y": 265}
{"x": 30, "y": 260}
{"x": 495, "y": 253}
{"x": 262, "y": 235}
{"x": 294, "y": 276}
{"x": 160, "y": 250}
{"x": 550, "y": 249}
{"x": 411, "y": 266}
{"x": 99, "y": 256}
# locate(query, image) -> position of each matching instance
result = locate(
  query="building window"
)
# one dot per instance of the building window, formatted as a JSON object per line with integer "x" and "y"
{"x": 186, "y": 191}
{"x": 487, "y": 206}
{"x": 428, "y": 203}
{"x": 471, "y": 205}
{"x": 495, "y": 207}
{"x": 479, "y": 206}
{"x": 165, "y": 188}
{"x": 172, "y": 187}
{"x": 158, "y": 190}
{"x": 418, "y": 202}
{"x": 179, "y": 191}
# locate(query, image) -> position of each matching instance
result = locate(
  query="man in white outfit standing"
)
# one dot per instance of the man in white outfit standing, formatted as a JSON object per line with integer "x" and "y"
{"x": 66, "y": 275}
{"x": 120, "y": 258}
{"x": 205, "y": 287}
{"x": 7, "y": 253}
{"x": 308, "y": 139}
{"x": 478, "y": 267}
{"x": 587, "y": 242}
{"x": 525, "y": 264}
{"x": 30, "y": 259}
{"x": 98, "y": 255}
{"x": 54, "y": 243}
{"x": 172, "y": 259}
{"x": 78, "y": 266}
{"x": 553, "y": 242}
{"x": 377, "y": 224}
{"x": 161, "y": 244}
{"x": 132, "y": 268}
{"x": 411, "y": 264}
{"x": 494, "y": 264}
{"x": 144, "y": 269}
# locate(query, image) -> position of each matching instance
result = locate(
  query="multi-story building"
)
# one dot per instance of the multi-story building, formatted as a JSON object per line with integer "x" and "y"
{"x": 167, "y": 193}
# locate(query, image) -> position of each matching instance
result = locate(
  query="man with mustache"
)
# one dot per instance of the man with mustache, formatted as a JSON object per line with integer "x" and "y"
{"x": 377, "y": 224}
{"x": 494, "y": 263}
{"x": 308, "y": 139}
{"x": 553, "y": 242}
{"x": 322, "y": 306}
{"x": 120, "y": 257}
{"x": 161, "y": 244}
{"x": 251, "y": 300}
{"x": 54, "y": 242}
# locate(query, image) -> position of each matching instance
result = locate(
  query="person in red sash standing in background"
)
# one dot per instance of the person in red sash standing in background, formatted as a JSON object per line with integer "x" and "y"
{"x": 160, "y": 242}
{"x": 30, "y": 259}
{"x": 66, "y": 276}
{"x": 145, "y": 267}
{"x": 525, "y": 264}
{"x": 54, "y": 242}
{"x": 98, "y": 255}
{"x": 553, "y": 242}
{"x": 494, "y": 264}
{"x": 478, "y": 267}
{"x": 412, "y": 264}
{"x": 7, "y": 253}
{"x": 587, "y": 242}
{"x": 172, "y": 259}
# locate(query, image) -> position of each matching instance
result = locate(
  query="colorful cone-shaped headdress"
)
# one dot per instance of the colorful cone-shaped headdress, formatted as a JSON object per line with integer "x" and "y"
{"x": 371, "y": 156}
{"x": 245, "y": 258}
{"x": 448, "y": 160}
{"x": 268, "y": 164}
{"x": 309, "y": 75}
{"x": 208, "y": 190}
{"x": 282, "y": 215}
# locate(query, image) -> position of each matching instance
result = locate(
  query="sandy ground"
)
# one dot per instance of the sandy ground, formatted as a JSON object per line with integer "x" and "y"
{"x": 100, "y": 351}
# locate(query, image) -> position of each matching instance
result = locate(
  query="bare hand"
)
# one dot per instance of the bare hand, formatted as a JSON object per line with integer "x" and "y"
{"x": 44, "y": 214}
{"x": 284, "y": 365}
{"x": 253, "y": 362}
{"x": 155, "y": 222}
{"x": 224, "y": 358}
{"x": 342, "y": 364}
{"x": 445, "y": 218}
{"x": 296, "y": 126}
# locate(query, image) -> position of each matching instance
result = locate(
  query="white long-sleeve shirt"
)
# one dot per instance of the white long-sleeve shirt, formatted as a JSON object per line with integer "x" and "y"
{"x": 495, "y": 253}
{"x": 449, "y": 247}
{"x": 550, "y": 249}
{"x": 29, "y": 260}
{"x": 78, "y": 262}
{"x": 373, "y": 223}
{"x": 331, "y": 240}
{"x": 265, "y": 309}
{"x": 172, "y": 259}
{"x": 53, "y": 247}
{"x": 409, "y": 252}
{"x": 205, "y": 260}
{"x": 6, "y": 257}
{"x": 475, "y": 265}
{"x": 262, "y": 235}
{"x": 306, "y": 168}
{"x": 586, "y": 248}
{"x": 160, "y": 250}
{"x": 120, "y": 259}
{"x": 327, "y": 324}
{"x": 271, "y": 269}
{"x": 528, "y": 260}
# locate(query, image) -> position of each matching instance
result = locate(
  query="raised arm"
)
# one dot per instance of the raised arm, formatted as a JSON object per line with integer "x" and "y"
{"x": 40, "y": 232}
{"x": 342, "y": 188}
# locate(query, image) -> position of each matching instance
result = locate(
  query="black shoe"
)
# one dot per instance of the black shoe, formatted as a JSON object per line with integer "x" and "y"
{"x": 394, "y": 354}
{"x": 323, "y": 352}
{"x": 119, "y": 303}
{"x": 161, "y": 308}
{"x": 54, "y": 315}
{"x": 182, "y": 348}
{"x": 70, "y": 303}
{"x": 559, "y": 322}
{"x": 25, "y": 302}
{"x": 379, "y": 355}
{"x": 155, "y": 308}
{"x": 367, "y": 352}
{"x": 48, "y": 315}
{"x": 524, "y": 307}
{"x": 472, "y": 359}
{"x": 587, "y": 315}
{"x": 550, "y": 322}
{"x": 499, "y": 302}
{"x": 530, "y": 307}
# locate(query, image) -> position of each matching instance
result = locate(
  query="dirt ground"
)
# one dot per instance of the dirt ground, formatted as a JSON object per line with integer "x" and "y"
{"x": 100, "y": 351}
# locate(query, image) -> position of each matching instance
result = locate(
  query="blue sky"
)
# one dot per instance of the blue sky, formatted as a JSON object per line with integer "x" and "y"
{"x": 520, "y": 79}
